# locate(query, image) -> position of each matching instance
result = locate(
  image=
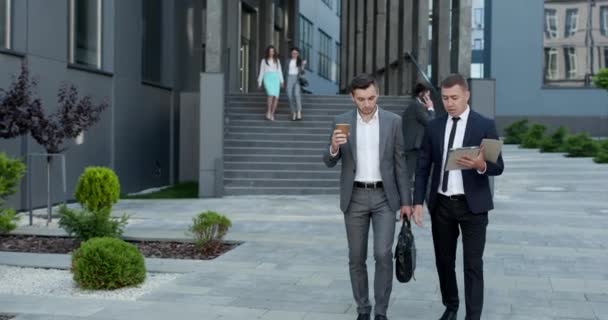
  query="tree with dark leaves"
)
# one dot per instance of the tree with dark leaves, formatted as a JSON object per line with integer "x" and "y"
{"x": 74, "y": 116}
{"x": 20, "y": 109}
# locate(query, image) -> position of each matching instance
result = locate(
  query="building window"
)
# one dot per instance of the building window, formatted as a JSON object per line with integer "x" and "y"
{"x": 337, "y": 64}
{"x": 5, "y": 24}
{"x": 328, "y": 3}
{"x": 551, "y": 64}
{"x": 573, "y": 50}
{"x": 604, "y": 20}
{"x": 324, "y": 55}
{"x": 570, "y": 62}
{"x": 151, "y": 51}
{"x": 478, "y": 18}
{"x": 85, "y": 32}
{"x": 571, "y": 22}
{"x": 477, "y": 70}
{"x": 306, "y": 40}
{"x": 550, "y": 23}
{"x": 477, "y": 44}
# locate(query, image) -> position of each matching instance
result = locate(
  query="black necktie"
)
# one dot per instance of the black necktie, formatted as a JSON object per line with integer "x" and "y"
{"x": 446, "y": 174}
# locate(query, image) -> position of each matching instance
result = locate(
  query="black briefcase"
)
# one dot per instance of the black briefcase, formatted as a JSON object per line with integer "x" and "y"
{"x": 405, "y": 253}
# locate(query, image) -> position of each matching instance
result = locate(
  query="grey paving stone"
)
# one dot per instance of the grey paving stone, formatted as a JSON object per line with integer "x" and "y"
{"x": 545, "y": 256}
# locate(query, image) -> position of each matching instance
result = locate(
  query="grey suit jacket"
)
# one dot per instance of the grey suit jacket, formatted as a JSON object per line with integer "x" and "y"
{"x": 415, "y": 118}
{"x": 392, "y": 161}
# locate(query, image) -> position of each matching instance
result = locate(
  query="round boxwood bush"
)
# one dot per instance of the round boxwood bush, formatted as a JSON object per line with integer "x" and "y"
{"x": 107, "y": 264}
{"x": 97, "y": 189}
{"x": 602, "y": 154}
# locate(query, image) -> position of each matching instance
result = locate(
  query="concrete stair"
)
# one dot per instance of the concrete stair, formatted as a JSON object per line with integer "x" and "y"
{"x": 283, "y": 157}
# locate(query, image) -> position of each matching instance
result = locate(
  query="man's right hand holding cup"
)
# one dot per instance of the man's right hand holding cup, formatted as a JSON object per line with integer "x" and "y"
{"x": 338, "y": 137}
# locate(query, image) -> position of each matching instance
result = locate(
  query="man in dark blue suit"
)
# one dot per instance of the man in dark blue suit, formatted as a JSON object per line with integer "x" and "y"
{"x": 459, "y": 200}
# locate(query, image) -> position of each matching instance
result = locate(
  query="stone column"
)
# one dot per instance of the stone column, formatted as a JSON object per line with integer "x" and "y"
{"x": 369, "y": 36}
{"x": 344, "y": 43}
{"x": 213, "y": 36}
{"x": 420, "y": 49}
{"x": 461, "y": 37}
{"x": 441, "y": 40}
{"x": 407, "y": 71}
{"x": 350, "y": 48}
{"x": 380, "y": 48}
{"x": 359, "y": 32}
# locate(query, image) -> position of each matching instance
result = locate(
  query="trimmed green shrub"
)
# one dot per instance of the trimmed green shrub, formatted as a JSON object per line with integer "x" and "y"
{"x": 581, "y": 145}
{"x": 8, "y": 220}
{"x": 11, "y": 172}
{"x": 602, "y": 154}
{"x": 600, "y": 79}
{"x": 533, "y": 137}
{"x": 85, "y": 224}
{"x": 107, "y": 264}
{"x": 554, "y": 143}
{"x": 98, "y": 188}
{"x": 209, "y": 227}
{"x": 515, "y": 132}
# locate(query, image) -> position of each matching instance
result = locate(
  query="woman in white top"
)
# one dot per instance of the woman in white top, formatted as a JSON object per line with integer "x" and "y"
{"x": 272, "y": 78}
{"x": 296, "y": 66}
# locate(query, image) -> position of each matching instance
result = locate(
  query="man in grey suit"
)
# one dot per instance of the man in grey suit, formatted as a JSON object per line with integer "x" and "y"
{"x": 373, "y": 187}
{"x": 415, "y": 119}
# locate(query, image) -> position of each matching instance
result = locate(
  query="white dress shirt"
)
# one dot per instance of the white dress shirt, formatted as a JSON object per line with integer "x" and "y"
{"x": 293, "y": 67}
{"x": 455, "y": 184}
{"x": 271, "y": 66}
{"x": 368, "y": 149}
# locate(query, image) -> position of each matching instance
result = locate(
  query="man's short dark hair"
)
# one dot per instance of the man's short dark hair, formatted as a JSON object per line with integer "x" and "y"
{"x": 420, "y": 88}
{"x": 455, "y": 79}
{"x": 362, "y": 81}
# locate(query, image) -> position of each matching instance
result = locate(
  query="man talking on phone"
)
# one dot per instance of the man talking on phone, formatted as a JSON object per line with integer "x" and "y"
{"x": 415, "y": 118}
{"x": 373, "y": 187}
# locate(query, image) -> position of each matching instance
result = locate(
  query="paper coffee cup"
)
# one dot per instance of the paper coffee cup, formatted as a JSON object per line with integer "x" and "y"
{"x": 344, "y": 127}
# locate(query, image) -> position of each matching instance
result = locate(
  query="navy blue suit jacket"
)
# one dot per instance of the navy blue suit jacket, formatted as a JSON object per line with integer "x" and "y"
{"x": 476, "y": 186}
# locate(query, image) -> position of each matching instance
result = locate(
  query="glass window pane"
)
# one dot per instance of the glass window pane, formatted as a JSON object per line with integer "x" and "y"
{"x": 152, "y": 40}
{"x": 306, "y": 40}
{"x": 574, "y": 32}
{"x": 86, "y": 18}
{"x": 3, "y": 23}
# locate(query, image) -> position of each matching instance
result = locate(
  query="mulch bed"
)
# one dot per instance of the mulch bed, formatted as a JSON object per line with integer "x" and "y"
{"x": 150, "y": 249}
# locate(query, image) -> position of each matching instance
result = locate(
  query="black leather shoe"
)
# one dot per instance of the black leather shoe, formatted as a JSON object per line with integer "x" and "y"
{"x": 380, "y": 317}
{"x": 449, "y": 315}
{"x": 363, "y": 316}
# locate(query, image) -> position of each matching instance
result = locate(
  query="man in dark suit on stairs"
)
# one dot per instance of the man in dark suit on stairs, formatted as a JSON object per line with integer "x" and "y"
{"x": 415, "y": 118}
{"x": 459, "y": 200}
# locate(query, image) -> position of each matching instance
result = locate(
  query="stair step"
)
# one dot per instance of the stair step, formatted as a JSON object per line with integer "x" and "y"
{"x": 276, "y": 166}
{"x": 281, "y": 121}
{"x": 281, "y": 174}
{"x": 278, "y": 191}
{"x": 274, "y": 143}
{"x": 228, "y": 150}
{"x": 283, "y": 183}
{"x": 305, "y": 112}
{"x": 245, "y": 157}
{"x": 298, "y": 128}
{"x": 293, "y": 137}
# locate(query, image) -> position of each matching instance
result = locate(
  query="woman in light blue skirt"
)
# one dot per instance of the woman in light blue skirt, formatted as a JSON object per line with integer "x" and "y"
{"x": 271, "y": 76}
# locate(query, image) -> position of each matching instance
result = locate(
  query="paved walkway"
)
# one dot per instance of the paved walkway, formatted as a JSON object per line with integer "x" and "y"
{"x": 546, "y": 256}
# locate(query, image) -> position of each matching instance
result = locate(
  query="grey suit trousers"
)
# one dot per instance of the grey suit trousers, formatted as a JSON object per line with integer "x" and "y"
{"x": 370, "y": 205}
{"x": 293, "y": 93}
